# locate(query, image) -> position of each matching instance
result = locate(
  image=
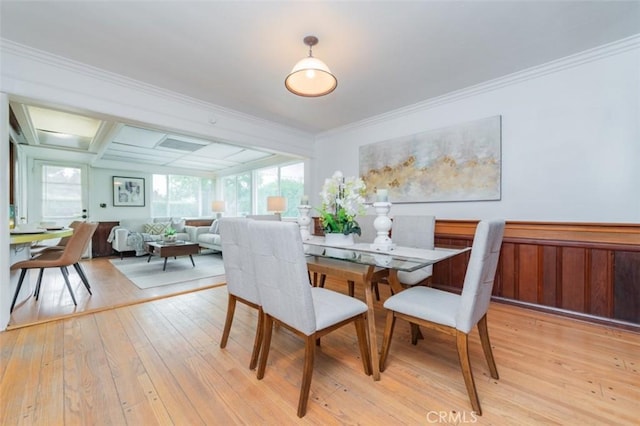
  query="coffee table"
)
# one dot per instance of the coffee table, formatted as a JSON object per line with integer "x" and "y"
{"x": 166, "y": 250}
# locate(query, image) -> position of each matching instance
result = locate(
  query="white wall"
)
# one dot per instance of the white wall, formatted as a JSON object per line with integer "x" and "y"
{"x": 570, "y": 139}
{"x": 5, "y": 288}
{"x": 101, "y": 191}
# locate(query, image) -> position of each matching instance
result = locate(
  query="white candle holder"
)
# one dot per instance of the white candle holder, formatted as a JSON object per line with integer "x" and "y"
{"x": 382, "y": 223}
{"x": 304, "y": 220}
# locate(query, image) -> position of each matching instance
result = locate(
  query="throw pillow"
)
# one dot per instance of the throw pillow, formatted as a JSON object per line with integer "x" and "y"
{"x": 213, "y": 229}
{"x": 156, "y": 228}
{"x": 178, "y": 224}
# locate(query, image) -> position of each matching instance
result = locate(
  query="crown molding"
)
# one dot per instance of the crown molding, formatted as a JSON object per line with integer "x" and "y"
{"x": 590, "y": 55}
{"x": 218, "y": 114}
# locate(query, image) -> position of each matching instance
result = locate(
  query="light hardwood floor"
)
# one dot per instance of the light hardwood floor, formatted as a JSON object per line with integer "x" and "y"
{"x": 160, "y": 363}
{"x": 110, "y": 289}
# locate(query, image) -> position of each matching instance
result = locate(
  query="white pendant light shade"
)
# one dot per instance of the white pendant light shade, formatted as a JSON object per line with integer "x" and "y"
{"x": 310, "y": 76}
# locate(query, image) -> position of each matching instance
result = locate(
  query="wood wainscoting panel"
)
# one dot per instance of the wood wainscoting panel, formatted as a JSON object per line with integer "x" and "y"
{"x": 573, "y": 285}
{"x": 451, "y": 273}
{"x": 601, "y": 283}
{"x": 627, "y": 286}
{"x": 550, "y": 295}
{"x": 505, "y": 284}
{"x": 528, "y": 282}
{"x": 590, "y": 269}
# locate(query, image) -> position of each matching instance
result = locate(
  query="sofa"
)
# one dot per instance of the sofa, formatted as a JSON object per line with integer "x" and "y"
{"x": 131, "y": 234}
{"x": 208, "y": 236}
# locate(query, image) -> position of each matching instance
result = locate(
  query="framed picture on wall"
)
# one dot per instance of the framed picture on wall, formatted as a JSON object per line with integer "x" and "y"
{"x": 462, "y": 162}
{"x": 128, "y": 191}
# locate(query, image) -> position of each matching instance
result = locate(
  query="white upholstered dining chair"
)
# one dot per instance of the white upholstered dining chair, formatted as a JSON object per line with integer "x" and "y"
{"x": 288, "y": 298}
{"x": 417, "y": 231}
{"x": 240, "y": 278}
{"x": 452, "y": 313}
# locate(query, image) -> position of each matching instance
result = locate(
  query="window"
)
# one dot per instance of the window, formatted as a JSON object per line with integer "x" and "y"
{"x": 247, "y": 193}
{"x": 266, "y": 185}
{"x": 236, "y": 192}
{"x": 181, "y": 196}
{"x": 292, "y": 187}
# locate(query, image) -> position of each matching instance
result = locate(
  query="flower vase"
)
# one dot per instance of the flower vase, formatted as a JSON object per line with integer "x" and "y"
{"x": 338, "y": 239}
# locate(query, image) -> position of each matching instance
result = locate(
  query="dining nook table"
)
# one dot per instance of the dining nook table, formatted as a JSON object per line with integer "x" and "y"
{"x": 363, "y": 264}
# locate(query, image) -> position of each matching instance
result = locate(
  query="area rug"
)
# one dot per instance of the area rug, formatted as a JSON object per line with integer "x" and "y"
{"x": 146, "y": 275}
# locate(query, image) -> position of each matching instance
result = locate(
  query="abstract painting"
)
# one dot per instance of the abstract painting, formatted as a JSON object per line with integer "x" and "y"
{"x": 456, "y": 163}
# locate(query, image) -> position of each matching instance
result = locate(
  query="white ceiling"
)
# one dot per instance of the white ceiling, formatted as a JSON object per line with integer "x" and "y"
{"x": 385, "y": 54}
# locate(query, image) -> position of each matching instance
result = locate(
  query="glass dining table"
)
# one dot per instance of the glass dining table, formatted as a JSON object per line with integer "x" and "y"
{"x": 362, "y": 264}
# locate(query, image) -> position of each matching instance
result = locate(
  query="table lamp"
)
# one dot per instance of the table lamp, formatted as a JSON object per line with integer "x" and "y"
{"x": 218, "y": 208}
{"x": 276, "y": 204}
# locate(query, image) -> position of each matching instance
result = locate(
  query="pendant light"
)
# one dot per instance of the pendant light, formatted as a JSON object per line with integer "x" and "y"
{"x": 311, "y": 77}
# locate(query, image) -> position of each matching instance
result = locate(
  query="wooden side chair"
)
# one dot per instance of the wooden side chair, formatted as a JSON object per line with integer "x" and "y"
{"x": 451, "y": 313}
{"x": 288, "y": 298}
{"x": 71, "y": 255}
{"x": 241, "y": 286}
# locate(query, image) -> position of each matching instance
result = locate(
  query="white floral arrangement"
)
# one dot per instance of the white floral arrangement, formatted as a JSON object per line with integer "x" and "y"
{"x": 342, "y": 200}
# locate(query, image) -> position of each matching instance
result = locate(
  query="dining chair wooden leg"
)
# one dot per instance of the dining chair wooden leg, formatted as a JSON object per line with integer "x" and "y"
{"x": 307, "y": 374}
{"x": 386, "y": 339}
{"x": 363, "y": 343}
{"x": 352, "y": 288}
{"x": 231, "y": 309}
{"x": 462, "y": 342}
{"x": 257, "y": 341}
{"x": 376, "y": 290}
{"x": 65, "y": 274}
{"x": 486, "y": 346}
{"x": 266, "y": 343}
{"x": 39, "y": 283}
{"x": 15, "y": 296}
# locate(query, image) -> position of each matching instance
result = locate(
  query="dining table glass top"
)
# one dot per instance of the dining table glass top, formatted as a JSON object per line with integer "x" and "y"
{"x": 399, "y": 258}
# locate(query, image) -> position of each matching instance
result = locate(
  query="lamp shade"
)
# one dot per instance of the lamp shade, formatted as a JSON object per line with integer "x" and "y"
{"x": 218, "y": 206}
{"x": 310, "y": 77}
{"x": 276, "y": 204}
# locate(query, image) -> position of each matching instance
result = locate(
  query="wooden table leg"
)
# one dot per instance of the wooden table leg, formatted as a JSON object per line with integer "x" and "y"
{"x": 165, "y": 264}
{"x": 371, "y": 326}
{"x": 192, "y": 262}
{"x": 394, "y": 282}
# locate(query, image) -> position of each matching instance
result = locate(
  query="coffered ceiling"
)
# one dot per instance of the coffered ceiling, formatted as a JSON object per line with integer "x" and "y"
{"x": 105, "y": 143}
{"x": 385, "y": 54}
